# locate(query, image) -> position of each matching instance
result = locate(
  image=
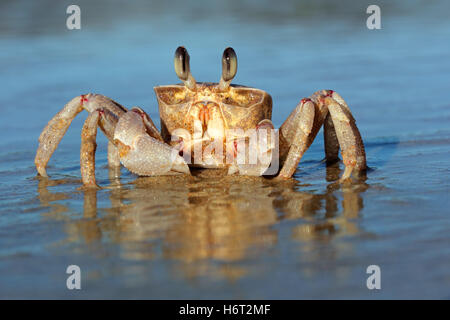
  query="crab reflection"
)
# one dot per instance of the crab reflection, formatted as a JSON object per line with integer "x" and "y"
{"x": 211, "y": 223}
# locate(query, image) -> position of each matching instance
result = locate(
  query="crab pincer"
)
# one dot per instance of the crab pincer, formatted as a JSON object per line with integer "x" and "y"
{"x": 142, "y": 154}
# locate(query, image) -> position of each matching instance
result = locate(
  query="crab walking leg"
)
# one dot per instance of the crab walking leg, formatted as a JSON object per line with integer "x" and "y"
{"x": 54, "y": 131}
{"x": 113, "y": 161}
{"x": 300, "y": 141}
{"x": 352, "y": 146}
{"x": 106, "y": 120}
{"x": 330, "y": 141}
{"x": 58, "y": 125}
{"x": 107, "y": 123}
{"x": 113, "y": 155}
{"x": 88, "y": 147}
{"x": 142, "y": 154}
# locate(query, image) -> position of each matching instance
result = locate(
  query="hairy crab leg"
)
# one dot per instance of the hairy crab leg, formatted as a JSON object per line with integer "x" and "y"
{"x": 106, "y": 120}
{"x": 56, "y": 128}
{"x": 88, "y": 147}
{"x": 142, "y": 154}
{"x": 113, "y": 161}
{"x": 328, "y": 108}
{"x": 330, "y": 141}
{"x": 300, "y": 125}
{"x": 113, "y": 155}
{"x": 54, "y": 131}
{"x": 350, "y": 142}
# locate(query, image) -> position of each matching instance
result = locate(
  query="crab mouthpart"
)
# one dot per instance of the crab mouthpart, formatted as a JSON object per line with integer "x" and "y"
{"x": 210, "y": 117}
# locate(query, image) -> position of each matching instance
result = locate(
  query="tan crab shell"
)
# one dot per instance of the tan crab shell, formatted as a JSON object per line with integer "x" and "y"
{"x": 241, "y": 107}
{"x": 238, "y": 107}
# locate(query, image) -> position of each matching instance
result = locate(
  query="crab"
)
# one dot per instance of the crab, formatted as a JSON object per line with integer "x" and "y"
{"x": 204, "y": 123}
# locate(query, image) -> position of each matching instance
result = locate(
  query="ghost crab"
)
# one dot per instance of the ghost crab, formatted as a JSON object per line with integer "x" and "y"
{"x": 194, "y": 115}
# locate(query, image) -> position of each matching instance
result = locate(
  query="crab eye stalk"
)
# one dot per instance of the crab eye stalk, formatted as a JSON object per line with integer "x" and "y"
{"x": 229, "y": 68}
{"x": 182, "y": 68}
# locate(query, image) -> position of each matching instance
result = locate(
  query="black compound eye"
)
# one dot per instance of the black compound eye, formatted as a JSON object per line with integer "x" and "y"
{"x": 181, "y": 63}
{"x": 229, "y": 64}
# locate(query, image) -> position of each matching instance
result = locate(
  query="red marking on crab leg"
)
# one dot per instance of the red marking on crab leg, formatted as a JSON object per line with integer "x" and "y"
{"x": 83, "y": 99}
{"x": 139, "y": 112}
{"x": 325, "y": 94}
{"x": 304, "y": 100}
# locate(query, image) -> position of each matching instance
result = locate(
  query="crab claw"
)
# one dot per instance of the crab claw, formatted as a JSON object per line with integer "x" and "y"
{"x": 253, "y": 158}
{"x": 143, "y": 154}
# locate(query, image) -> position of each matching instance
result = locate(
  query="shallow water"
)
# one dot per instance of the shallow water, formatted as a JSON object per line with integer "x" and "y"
{"x": 210, "y": 236}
